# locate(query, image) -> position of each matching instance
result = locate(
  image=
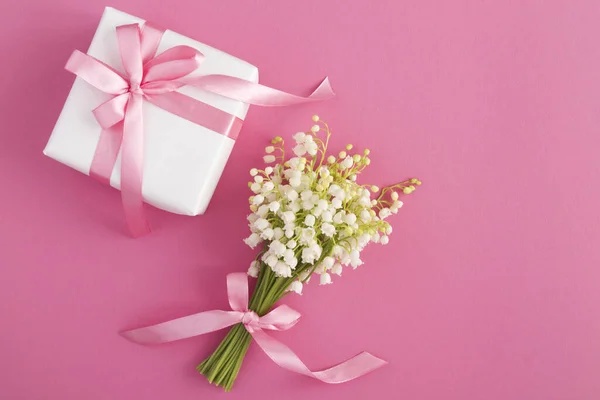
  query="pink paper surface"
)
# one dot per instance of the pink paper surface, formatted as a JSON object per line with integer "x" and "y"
{"x": 490, "y": 287}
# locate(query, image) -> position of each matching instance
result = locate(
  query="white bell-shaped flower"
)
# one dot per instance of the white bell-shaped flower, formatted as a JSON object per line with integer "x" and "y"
{"x": 258, "y": 199}
{"x": 267, "y": 234}
{"x": 252, "y": 218}
{"x": 338, "y": 218}
{"x": 254, "y": 269}
{"x": 355, "y": 260}
{"x": 255, "y": 187}
{"x": 253, "y": 240}
{"x": 350, "y": 219}
{"x": 292, "y": 262}
{"x": 307, "y": 235}
{"x": 299, "y": 137}
{"x": 309, "y": 220}
{"x": 289, "y": 254}
{"x": 375, "y": 237}
{"x": 274, "y": 206}
{"x": 296, "y": 287}
{"x": 311, "y": 147}
{"x": 271, "y": 260}
{"x": 261, "y": 224}
{"x": 325, "y": 279}
{"x": 291, "y": 194}
{"x": 326, "y": 216}
{"x": 277, "y": 248}
{"x": 282, "y": 269}
{"x": 268, "y": 186}
{"x": 277, "y": 233}
{"x": 299, "y": 149}
{"x": 262, "y": 211}
{"x": 337, "y": 269}
{"x": 328, "y": 229}
{"x": 328, "y": 262}
{"x": 384, "y": 213}
{"x": 295, "y": 182}
{"x": 294, "y": 206}
{"x": 288, "y": 216}
{"x": 365, "y": 216}
{"x": 307, "y": 256}
{"x": 333, "y": 189}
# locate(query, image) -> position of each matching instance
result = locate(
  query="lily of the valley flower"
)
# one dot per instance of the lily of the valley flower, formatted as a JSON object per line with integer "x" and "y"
{"x": 312, "y": 214}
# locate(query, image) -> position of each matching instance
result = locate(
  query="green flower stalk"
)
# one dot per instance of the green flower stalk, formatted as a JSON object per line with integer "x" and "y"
{"x": 310, "y": 217}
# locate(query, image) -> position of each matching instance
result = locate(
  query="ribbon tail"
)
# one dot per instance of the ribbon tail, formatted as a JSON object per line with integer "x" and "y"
{"x": 183, "y": 328}
{"x": 106, "y": 153}
{"x": 255, "y": 93}
{"x": 283, "y": 356}
{"x": 132, "y": 163}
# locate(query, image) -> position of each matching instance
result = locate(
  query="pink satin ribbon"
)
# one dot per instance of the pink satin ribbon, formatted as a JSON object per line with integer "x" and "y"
{"x": 155, "y": 79}
{"x": 279, "y": 319}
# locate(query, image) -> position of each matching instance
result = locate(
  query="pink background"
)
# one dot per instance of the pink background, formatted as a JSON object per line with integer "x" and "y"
{"x": 490, "y": 288}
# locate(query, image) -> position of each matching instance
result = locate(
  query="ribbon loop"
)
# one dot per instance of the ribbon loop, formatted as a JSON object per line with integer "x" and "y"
{"x": 281, "y": 318}
{"x": 172, "y": 64}
{"x": 130, "y": 48}
{"x": 151, "y": 36}
{"x": 237, "y": 291}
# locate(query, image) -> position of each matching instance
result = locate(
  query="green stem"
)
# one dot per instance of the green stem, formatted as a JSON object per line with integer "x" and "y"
{"x": 223, "y": 365}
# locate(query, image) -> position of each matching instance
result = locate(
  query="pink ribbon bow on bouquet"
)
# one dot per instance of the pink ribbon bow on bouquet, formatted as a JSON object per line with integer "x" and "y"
{"x": 156, "y": 79}
{"x": 279, "y": 319}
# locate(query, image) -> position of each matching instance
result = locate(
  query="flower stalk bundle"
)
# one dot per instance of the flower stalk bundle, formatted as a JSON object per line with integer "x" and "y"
{"x": 310, "y": 217}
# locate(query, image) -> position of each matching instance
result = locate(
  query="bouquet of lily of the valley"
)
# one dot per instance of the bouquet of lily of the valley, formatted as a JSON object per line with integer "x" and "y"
{"x": 310, "y": 216}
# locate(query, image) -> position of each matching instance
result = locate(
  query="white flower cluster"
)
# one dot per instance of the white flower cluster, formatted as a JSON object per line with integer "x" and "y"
{"x": 310, "y": 213}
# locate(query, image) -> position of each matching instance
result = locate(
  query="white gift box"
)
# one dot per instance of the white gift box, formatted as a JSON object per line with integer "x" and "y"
{"x": 183, "y": 161}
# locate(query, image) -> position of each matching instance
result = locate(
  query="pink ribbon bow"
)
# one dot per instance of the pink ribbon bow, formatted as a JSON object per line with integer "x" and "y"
{"x": 279, "y": 319}
{"x": 156, "y": 79}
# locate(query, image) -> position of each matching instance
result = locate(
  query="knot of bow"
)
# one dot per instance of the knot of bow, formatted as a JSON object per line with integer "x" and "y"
{"x": 145, "y": 74}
